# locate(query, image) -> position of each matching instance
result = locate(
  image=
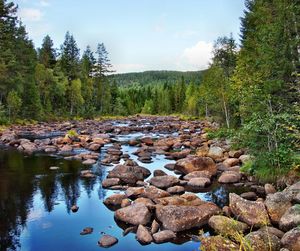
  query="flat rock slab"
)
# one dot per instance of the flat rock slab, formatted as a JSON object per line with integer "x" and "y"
{"x": 180, "y": 218}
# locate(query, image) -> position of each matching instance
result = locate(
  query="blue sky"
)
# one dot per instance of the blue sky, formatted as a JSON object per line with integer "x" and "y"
{"x": 139, "y": 34}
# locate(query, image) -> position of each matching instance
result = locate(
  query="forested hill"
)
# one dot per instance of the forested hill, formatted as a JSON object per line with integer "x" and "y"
{"x": 156, "y": 77}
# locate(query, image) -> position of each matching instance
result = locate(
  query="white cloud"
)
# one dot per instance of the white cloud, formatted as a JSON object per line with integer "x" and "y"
{"x": 30, "y": 14}
{"x": 44, "y": 3}
{"x": 123, "y": 68}
{"x": 196, "y": 57}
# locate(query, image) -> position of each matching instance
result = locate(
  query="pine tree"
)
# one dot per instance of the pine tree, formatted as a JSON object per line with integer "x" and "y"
{"x": 47, "y": 54}
{"x": 69, "y": 59}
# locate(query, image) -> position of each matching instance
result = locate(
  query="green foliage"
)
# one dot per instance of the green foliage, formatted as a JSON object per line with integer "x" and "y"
{"x": 72, "y": 133}
{"x": 14, "y": 103}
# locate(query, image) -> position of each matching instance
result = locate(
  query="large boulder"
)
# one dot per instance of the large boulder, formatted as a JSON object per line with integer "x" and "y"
{"x": 129, "y": 174}
{"x": 229, "y": 177}
{"x": 253, "y": 213}
{"x": 262, "y": 241}
{"x": 277, "y": 204}
{"x": 214, "y": 243}
{"x": 143, "y": 235}
{"x": 135, "y": 214}
{"x": 215, "y": 152}
{"x": 164, "y": 182}
{"x": 291, "y": 239}
{"x": 195, "y": 163}
{"x": 290, "y": 219}
{"x": 180, "y": 218}
{"x": 226, "y": 226}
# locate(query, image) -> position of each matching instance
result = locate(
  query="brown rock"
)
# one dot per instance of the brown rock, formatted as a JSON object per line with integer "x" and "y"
{"x": 164, "y": 236}
{"x": 227, "y": 227}
{"x": 290, "y": 219}
{"x": 291, "y": 239}
{"x": 180, "y": 218}
{"x": 270, "y": 189}
{"x": 229, "y": 177}
{"x": 277, "y": 204}
{"x": 231, "y": 162}
{"x": 136, "y": 214}
{"x": 194, "y": 163}
{"x": 250, "y": 212}
{"x": 164, "y": 181}
{"x": 263, "y": 241}
{"x": 214, "y": 243}
{"x": 107, "y": 241}
{"x": 200, "y": 182}
{"x": 143, "y": 235}
{"x": 114, "y": 200}
{"x": 153, "y": 192}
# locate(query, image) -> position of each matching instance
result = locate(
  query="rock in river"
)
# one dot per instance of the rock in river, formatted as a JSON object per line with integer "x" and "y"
{"x": 134, "y": 214}
{"x": 195, "y": 163}
{"x": 262, "y": 240}
{"x": 229, "y": 177}
{"x": 253, "y": 213}
{"x": 129, "y": 174}
{"x": 143, "y": 235}
{"x": 226, "y": 226}
{"x": 216, "y": 243}
{"x": 164, "y": 181}
{"x": 180, "y": 218}
{"x": 107, "y": 241}
{"x": 164, "y": 236}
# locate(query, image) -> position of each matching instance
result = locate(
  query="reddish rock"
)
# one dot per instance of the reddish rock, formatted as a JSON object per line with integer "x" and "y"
{"x": 180, "y": 218}
{"x": 194, "y": 163}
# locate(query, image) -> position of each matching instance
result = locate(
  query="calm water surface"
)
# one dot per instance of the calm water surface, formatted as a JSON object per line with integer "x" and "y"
{"x": 35, "y": 205}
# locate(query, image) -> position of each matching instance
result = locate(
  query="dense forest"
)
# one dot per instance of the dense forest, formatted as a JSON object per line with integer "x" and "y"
{"x": 252, "y": 89}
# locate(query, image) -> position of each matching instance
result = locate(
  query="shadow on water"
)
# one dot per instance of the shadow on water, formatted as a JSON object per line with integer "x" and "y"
{"x": 35, "y": 205}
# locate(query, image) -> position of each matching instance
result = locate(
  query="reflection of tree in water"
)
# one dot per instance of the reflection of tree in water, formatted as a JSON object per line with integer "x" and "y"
{"x": 88, "y": 185}
{"x": 49, "y": 191}
{"x": 101, "y": 173}
{"x": 16, "y": 193}
{"x": 71, "y": 189}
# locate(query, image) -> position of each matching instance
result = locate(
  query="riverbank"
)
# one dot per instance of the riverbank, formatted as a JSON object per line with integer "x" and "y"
{"x": 161, "y": 203}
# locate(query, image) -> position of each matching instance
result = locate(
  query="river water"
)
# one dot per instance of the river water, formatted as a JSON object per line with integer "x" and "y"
{"x": 35, "y": 204}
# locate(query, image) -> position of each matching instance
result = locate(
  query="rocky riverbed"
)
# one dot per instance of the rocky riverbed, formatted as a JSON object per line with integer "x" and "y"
{"x": 162, "y": 203}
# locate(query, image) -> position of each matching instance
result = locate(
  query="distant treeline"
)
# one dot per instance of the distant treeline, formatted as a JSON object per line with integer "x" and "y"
{"x": 156, "y": 77}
